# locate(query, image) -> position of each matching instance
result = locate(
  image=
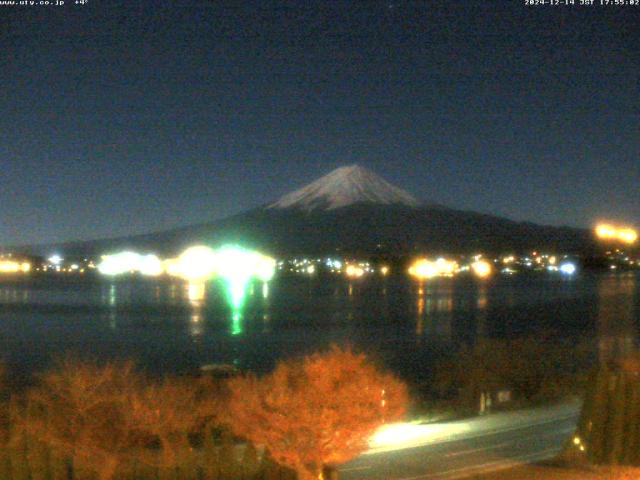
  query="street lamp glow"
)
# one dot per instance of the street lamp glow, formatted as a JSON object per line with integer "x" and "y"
{"x": 627, "y": 235}
{"x": 481, "y": 268}
{"x": 607, "y": 231}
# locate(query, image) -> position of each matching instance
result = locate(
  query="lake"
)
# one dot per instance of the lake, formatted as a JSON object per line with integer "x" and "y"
{"x": 404, "y": 325}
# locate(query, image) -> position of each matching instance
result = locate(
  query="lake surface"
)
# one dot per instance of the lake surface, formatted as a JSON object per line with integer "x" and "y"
{"x": 404, "y": 325}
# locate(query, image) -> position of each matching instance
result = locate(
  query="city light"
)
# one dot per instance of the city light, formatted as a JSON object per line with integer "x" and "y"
{"x": 354, "y": 271}
{"x": 424, "y": 269}
{"x": 196, "y": 263}
{"x": 55, "y": 259}
{"x": 236, "y": 266}
{"x": 606, "y": 231}
{"x": 481, "y": 268}
{"x": 150, "y": 266}
{"x": 129, "y": 262}
{"x": 446, "y": 268}
{"x": 11, "y": 266}
{"x": 119, "y": 263}
{"x": 265, "y": 267}
{"x": 610, "y": 232}
{"x": 568, "y": 268}
{"x": 627, "y": 235}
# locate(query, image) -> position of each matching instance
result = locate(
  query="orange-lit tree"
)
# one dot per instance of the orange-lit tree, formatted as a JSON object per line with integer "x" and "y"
{"x": 80, "y": 411}
{"x": 166, "y": 415}
{"x": 315, "y": 412}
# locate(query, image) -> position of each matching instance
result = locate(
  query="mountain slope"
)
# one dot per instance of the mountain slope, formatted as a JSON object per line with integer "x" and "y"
{"x": 351, "y": 210}
{"x": 343, "y": 187}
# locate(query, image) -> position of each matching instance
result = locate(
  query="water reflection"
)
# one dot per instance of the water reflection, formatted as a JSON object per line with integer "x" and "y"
{"x": 481, "y": 310}
{"x": 112, "y": 295}
{"x": 420, "y": 319}
{"x": 14, "y": 295}
{"x": 266, "y": 323}
{"x": 196, "y": 326}
{"x": 237, "y": 327}
{"x": 616, "y": 316}
{"x": 443, "y": 312}
{"x": 434, "y": 309}
{"x": 173, "y": 293}
{"x": 196, "y": 292}
{"x": 113, "y": 324}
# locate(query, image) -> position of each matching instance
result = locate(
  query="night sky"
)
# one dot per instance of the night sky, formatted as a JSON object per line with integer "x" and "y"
{"x": 130, "y": 117}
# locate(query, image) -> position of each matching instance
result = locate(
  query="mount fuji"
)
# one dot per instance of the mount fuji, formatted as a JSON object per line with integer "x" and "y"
{"x": 351, "y": 210}
{"x": 343, "y": 187}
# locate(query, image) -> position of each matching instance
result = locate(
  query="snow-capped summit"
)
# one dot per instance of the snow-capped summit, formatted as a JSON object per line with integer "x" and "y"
{"x": 345, "y": 186}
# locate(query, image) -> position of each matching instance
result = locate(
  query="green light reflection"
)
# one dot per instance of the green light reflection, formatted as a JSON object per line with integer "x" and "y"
{"x": 236, "y": 290}
{"x": 237, "y": 328}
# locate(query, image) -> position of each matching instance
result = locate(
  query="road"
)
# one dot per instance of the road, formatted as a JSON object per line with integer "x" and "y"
{"x": 462, "y": 449}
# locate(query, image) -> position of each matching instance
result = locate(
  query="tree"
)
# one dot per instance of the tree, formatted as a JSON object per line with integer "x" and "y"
{"x": 315, "y": 412}
{"x": 533, "y": 369}
{"x": 166, "y": 415}
{"x": 78, "y": 410}
{"x": 609, "y": 428}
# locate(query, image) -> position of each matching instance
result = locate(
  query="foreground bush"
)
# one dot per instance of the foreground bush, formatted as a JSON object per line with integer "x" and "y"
{"x": 79, "y": 411}
{"x": 315, "y": 412}
{"x": 84, "y": 421}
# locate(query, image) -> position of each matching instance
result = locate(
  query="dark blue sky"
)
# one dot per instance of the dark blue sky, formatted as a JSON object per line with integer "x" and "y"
{"x": 129, "y": 117}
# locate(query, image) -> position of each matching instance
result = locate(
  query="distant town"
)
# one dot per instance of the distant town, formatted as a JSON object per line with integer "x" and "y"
{"x": 615, "y": 258}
